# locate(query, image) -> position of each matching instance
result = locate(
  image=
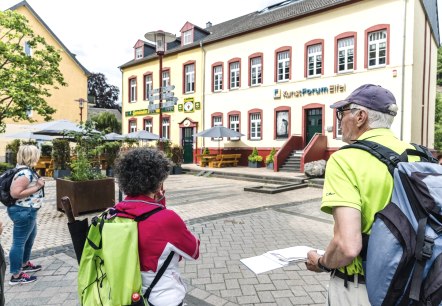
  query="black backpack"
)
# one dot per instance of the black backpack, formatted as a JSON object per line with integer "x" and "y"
{"x": 5, "y": 186}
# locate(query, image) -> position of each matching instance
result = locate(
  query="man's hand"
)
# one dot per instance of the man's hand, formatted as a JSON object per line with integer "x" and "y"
{"x": 312, "y": 261}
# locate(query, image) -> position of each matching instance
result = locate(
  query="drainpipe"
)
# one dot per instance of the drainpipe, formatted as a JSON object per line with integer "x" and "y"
{"x": 403, "y": 71}
{"x": 203, "y": 104}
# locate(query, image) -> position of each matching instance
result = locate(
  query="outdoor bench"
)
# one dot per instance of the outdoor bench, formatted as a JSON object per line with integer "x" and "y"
{"x": 225, "y": 159}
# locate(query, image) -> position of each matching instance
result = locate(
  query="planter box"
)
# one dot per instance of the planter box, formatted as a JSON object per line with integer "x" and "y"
{"x": 177, "y": 170}
{"x": 254, "y": 164}
{"x": 270, "y": 166}
{"x": 61, "y": 173}
{"x": 86, "y": 196}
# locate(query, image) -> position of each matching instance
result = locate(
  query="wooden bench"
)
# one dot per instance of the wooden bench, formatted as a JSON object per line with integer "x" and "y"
{"x": 225, "y": 159}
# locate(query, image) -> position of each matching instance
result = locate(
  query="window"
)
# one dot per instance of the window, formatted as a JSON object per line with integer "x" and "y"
{"x": 148, "y": 87}
{"x": 187, "y": 37}
{"x": 166, "y": 78}
{"x": 166, "y": 127}
{"x": 139, "y": 53}
{"x": 283, "y": 66}
{"x": 234, "y": 125}
{"x": 190, "y": 78}
{"x": 234, "y": 75}
{"x": 282, "y": 124}
{"x": 217, "y": 78}
{"x": 132, "y": 126}
{"x": 377, "y": 48}
{"x": 255, "y": 71}
{"x": 29, "y": 112}
{"x": 27, "y": 49}
{"x": 133, "y": 90}
{"x": 314, "y": 60}
{"x": 255, "y": 126}
{"x": 217, "y": 121}
{"x": 148, "y": 125}
{"x": 346, "y": 54}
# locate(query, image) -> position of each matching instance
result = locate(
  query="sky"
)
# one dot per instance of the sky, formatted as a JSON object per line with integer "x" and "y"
{"x": 102, "y": 33}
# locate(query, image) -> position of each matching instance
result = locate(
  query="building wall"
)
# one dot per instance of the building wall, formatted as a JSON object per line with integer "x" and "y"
{"x": 62, "y": 99}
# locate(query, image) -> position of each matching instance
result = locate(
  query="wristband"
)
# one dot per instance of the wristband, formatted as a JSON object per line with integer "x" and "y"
{"x": 322, "y": 267}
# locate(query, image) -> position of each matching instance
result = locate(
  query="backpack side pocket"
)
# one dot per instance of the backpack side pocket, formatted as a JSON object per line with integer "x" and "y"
{"x": 432, "y": 286}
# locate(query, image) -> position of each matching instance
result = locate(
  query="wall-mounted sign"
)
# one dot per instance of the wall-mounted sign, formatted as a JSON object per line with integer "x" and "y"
{"x": 197, "y": 105}
{"x": 188, "y": 105}
{"x": 180, "y": 107}
{"x": 287, "y": 94}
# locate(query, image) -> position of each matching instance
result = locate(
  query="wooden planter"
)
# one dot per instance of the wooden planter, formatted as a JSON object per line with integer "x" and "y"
{"x": 86, "y": 196}
{"x": 254, "y": 164}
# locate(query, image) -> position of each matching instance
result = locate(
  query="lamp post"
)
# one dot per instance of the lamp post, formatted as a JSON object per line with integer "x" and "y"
{"x": 81, "y": 105}
{"x": 160, "y": 38}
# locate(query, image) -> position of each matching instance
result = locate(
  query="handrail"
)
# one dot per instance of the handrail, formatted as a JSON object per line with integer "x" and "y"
{"x": 293, "y": 143}
{"x": 315, "y": 149}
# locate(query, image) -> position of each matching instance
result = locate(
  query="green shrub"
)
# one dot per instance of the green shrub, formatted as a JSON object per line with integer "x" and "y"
{"x": 270, "y": 157}
{"x": 254, "y": 157}
{"x": 61, "y": 154}
{"x": 5, "y": 166}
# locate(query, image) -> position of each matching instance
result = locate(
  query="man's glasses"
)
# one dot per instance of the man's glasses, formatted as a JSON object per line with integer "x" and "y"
{"x": 340, "y": 112}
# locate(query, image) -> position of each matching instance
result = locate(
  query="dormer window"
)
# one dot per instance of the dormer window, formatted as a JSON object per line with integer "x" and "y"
{"x": 187, "y": 37}
{"x": 139, "y": 53}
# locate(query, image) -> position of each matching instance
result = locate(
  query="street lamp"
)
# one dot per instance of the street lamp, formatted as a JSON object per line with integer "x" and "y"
{"x": 160, "y": 38}
{"x": 81, "y": 105}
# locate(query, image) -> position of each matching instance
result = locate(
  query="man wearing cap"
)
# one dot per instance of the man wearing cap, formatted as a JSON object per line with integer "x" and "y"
{"x": 357, "y": 185}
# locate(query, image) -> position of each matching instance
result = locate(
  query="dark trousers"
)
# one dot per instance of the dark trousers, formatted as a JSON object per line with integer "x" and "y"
{"x": 2, "y": 276}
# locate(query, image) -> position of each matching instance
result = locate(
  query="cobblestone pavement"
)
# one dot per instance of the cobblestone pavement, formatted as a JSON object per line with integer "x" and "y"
{"x": 231, "y": 223}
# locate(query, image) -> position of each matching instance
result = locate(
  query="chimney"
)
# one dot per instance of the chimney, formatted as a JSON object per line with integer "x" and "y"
{"x": 208, "y": 24}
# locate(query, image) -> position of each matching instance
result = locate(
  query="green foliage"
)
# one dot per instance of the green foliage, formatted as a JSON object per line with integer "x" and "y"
{"x": 177, "y": 155}
{"x": 107, "y": 122}
{"x": 46, "y": 150}
{"x": 86, "y": 164}
{"x": 438, "y": 123}
{"x": 110, "y": 150}
{"x": 439, "y": 66}
{"x": 61, "y": 153}
{"x": 13, "y": 146}
{"x": 105, "y": 95}
{"x": 270, "y": 157}
{"x": 25, "y": 80}
{"x": 254, "y": 157}
{"x": 165, "y": 146}
{"x": 206, "y": 151}
{"x": 5, "y": 166}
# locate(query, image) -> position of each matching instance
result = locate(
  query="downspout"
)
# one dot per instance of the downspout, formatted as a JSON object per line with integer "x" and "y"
{"x": 428, "y": 92}
{"x": 403, "y": 71}
{"x": 424, "y": 69}
{"x": 122, "y": 104}
{"x": 203, "y": 104}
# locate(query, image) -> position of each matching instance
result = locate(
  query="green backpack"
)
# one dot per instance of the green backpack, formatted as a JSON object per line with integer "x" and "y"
{"x": 109, "y": 270}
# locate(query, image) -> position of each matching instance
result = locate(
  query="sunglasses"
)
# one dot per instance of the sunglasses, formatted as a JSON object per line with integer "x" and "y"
{"x": 340, "y": 112}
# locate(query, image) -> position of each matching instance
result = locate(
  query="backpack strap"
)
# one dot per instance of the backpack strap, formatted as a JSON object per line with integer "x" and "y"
{"x": 158, "y": 276}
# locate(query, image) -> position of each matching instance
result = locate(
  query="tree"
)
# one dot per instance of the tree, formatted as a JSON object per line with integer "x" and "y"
{"x": 438, "y": 123}
{"x": 105, "y": 95}
{"x": 107, "y": 122}
{"x": 439, "y": 66}
{"x": 25, "y": 80}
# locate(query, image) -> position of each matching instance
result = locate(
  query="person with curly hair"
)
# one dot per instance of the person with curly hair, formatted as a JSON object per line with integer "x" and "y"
{"x": 141, "y": 173}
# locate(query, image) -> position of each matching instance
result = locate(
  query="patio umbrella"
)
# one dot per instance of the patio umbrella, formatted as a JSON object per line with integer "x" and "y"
{"x": 77, "y": 229}
{"x": 219, "y": 132}
{"x": 113, "y": 137}
{"x": 58, "y": 128}
{"x": 29, "y": 135}
{"x": 142, "y": 135}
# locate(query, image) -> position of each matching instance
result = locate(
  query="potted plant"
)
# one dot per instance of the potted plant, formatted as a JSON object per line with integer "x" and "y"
{"x": 270, "y": 158}
{"x": 61, "y": 154}
{"x": 110, "y": 150}
{"x": 165, "y": 146}
{"x": 177, "y": 159}
{"x": 87, "y": 188}
{"x": 204, "y": 161}
{"x": 254, "y": 159}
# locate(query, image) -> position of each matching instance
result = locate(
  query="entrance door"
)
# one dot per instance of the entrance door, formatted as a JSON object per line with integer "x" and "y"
{"x": 188, "y": 145}
{"x": 314, "y": 123}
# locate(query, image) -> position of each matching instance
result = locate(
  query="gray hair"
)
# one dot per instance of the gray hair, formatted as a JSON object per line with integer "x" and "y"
{"x": 141, "y": 171}
{"x": 377, "y": 120}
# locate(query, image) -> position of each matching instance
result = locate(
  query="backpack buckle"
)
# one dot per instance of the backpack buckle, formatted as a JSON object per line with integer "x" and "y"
{"x": 427, "y": 249}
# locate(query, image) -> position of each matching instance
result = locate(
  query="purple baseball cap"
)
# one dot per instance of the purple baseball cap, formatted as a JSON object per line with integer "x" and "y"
{"x": 371, "y": 96}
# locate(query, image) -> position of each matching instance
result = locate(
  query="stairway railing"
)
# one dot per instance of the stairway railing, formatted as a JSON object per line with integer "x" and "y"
{"x": 293, "y": 143}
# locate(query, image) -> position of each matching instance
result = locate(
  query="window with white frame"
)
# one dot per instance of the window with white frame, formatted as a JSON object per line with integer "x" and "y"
{"x": 133, "y": 90}
{"x": 148, "y": 85}
{"x": 234, "y": 125}
{"x": 132, "y": 126}
{"x": 377, "y": 48}
{"x": 190, "y": 78}
{"x": 166, "y": 78}
{"x": 165, "y": 126}
{"x": 255, "y": 126}
{"x": 234, "y": 75}
{"x": 217, "y": 78}
{"x": 255, "y": 71}
{"x": 345, "y": 54}
{"x": 283, "y": 66}
{"x": 187, "y": 37}
{"x": 148, "y": 125}
{"x": 139, "y": 53}
{"x": 217, "y": 121}
{"x": 314, "y": 60}
{"x": 28, "y": 49}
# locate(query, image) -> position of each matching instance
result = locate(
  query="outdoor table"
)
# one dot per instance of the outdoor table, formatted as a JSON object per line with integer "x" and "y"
{"x": 205, "y": 159}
